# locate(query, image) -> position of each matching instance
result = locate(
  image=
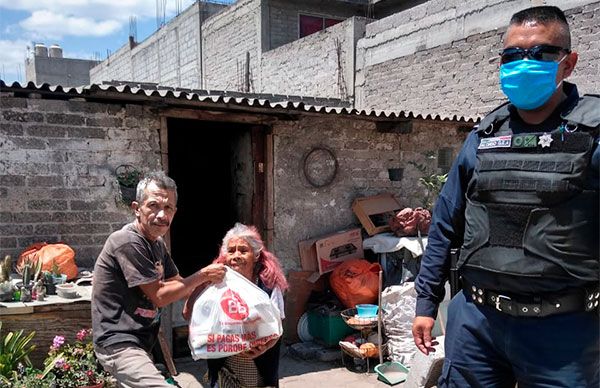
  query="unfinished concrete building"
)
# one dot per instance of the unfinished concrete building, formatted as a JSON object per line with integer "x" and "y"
{"x": 47, "y": 65}
{"x": 431, "y": 57}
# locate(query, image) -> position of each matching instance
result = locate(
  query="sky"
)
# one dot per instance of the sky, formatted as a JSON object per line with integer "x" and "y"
{"x": 86, "y": 29}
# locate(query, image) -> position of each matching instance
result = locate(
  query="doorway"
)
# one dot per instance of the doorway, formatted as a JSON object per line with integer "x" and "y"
{"x": 213, "y": 166}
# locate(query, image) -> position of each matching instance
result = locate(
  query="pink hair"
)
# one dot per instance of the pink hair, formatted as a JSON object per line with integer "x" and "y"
{"x": 271, "y": 272}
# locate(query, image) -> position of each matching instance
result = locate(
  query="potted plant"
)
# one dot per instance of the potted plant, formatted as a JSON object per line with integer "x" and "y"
{"x": 57, "y": 276}
{"x": 128, "y": 177}
{"x": 14, "y": 351}
{"x": 74, "y": 365}
{"x": 432, "y": 183}
{"x": 49, "y": 283}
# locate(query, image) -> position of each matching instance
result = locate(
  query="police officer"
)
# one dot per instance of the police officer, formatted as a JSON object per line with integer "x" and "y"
{"x": 522, "y": 202}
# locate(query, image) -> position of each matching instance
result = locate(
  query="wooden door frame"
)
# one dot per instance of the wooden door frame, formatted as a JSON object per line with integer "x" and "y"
{"x": 263, "y": 192}
{"x": 262, "y": 144}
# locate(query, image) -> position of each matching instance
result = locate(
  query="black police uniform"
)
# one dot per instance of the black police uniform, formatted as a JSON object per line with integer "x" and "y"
{"x": 522, "y": 200}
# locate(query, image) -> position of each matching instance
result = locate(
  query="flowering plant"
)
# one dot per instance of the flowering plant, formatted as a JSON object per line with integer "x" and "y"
{"x": 73, "y": 365}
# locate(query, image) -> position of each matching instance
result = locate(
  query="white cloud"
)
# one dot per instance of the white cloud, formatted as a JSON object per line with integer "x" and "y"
{"x": 47, "y": 24}
{"x": 94, "y": 9}
{"x": 12, "y": 60}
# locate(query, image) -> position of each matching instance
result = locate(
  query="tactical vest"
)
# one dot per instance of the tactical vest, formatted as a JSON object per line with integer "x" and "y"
{"x": 531, "y": 218}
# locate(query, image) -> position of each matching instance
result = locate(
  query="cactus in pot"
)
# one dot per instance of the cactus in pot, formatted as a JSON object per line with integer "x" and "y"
{"x": 26, "y": 274}
{"x": 37, "y": 269}
{"x": 5, "y": 268}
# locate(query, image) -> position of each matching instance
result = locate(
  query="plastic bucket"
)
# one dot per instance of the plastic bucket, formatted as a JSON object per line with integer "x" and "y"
{"x": 366, "y": 310}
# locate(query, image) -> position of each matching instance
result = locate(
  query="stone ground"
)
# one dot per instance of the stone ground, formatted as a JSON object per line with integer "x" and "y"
{"x": 294, "y": 373}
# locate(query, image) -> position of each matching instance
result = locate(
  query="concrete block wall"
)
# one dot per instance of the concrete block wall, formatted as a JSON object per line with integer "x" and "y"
{"x": 441, "y": 57}
{"x": 117, "y": 67}
{"x": 226, "y": 38}
{"x": 320, "y": 65}
{"x": 364, "y": 156}
{"x": 169, "y": 57}
{"x": 585, "y": 29}
{"x": 283, "y": 17}
{"x": 67, "y": 72}
{"x": 57, "y": 180}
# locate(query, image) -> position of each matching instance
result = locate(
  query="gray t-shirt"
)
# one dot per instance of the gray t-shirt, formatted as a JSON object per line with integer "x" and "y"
{"x": 121, "y": 312}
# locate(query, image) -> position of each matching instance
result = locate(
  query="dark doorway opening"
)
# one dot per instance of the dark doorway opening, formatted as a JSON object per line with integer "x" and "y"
{"x": 212, "y": 163}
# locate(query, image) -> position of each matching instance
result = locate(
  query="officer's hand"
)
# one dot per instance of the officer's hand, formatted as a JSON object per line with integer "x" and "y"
{"x": 421, "y": 331}
{"x": 213, "y": 273}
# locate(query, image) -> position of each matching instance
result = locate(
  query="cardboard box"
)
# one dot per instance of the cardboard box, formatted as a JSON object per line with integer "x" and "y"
{"x": 334, "y": 249}
{"x": 374, "y": 212}
{"x": 308, "y": 255}
{"x": 296, "y": 299}
{"x": 323, "y": 254}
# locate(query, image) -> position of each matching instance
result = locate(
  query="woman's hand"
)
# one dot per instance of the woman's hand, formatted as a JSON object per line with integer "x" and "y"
{"x": 260, "y": 349}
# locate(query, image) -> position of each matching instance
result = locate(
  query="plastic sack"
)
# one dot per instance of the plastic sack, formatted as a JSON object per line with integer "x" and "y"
{"x": 408, "y": 221}
{"x": 355, "y": 281}
{"x": 60, "y": 254}
{"x": 231, "y": 317}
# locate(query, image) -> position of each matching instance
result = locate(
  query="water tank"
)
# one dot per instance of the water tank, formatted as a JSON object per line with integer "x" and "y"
{"x": 40, "y": 50}
{"x": 56, "y": 51}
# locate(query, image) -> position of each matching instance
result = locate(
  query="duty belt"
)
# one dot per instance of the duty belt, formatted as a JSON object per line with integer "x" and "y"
{"x": 535, "y": 306}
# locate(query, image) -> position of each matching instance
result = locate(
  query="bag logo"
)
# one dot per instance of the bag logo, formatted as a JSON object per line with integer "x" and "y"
{"x": 495, "y": 142}
{"x": 234, "y": 306}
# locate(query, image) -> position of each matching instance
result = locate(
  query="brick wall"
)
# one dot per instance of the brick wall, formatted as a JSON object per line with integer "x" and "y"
{"x": 441, "y": 58}
{"x": 320, "y": 65}
{"x": 364, "y": 156}
{"x": 57, "y": 179}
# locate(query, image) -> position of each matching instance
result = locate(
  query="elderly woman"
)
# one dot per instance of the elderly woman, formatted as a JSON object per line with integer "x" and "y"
{"x": 243, "y": 251}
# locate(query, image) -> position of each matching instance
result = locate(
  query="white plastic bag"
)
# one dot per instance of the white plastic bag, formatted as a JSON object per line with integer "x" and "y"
{"x": 231, "y": 317}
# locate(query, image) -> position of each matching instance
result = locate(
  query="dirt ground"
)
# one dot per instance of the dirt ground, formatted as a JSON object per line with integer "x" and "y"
{"x": 293, "y": 372}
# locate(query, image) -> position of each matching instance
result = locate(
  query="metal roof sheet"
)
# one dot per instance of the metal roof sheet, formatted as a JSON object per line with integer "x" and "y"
{"x": 274, "y": 102}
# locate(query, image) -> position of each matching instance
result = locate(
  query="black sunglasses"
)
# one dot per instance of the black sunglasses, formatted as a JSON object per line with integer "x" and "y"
{"x": 542, "y": 52}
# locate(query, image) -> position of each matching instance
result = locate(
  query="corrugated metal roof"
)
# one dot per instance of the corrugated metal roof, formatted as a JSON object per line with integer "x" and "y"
{"x": 272, "y": 102}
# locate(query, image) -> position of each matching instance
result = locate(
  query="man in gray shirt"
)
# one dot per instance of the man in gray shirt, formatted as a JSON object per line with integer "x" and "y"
{"x": 134, "y": 277}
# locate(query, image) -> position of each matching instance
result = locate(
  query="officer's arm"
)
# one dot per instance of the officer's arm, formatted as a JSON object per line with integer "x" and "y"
{"x": 446, "y": 230}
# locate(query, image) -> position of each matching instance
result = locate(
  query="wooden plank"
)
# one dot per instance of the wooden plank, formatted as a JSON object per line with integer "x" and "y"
{"x": 49, "y": 321}
{"x": 258, "y": 194}
{"x": 166, "y": 351}
{"x": 13, "y": 310}
{"x": 229, "y": 116}
{"x": 269, "y": 188}
{"x": 164, "y": 158}
{"x": 164, "y": 144}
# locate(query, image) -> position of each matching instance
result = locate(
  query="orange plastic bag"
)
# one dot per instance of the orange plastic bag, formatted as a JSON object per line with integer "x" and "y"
{"x": 59, "y": 253}
{"x": 356, "y": 281}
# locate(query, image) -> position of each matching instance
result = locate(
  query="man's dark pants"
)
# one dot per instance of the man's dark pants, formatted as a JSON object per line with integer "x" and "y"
{"x": 488, "y": 348}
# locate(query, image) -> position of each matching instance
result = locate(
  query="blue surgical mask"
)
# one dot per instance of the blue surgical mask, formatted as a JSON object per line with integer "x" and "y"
{"x": 529, "y": 83}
